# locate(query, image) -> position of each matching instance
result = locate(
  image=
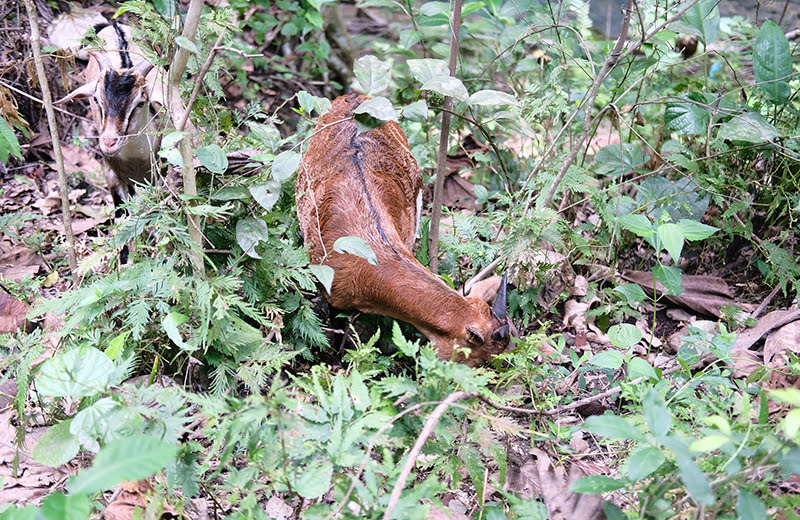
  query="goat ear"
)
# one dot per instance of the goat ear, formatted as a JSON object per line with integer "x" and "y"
{"x": 501, "y": 333}
{"x": 475, "y": 336}
{"x": 81, "y": 92}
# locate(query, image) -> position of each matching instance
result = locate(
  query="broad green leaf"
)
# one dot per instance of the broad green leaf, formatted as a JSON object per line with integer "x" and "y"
{"x": 105, "y": 419}
{"x": 57, "y": 446}
{"x": 58, "y": 506}
{"x": 749, "y": 507}
{"x": 671, "y": 236}
{"x": 355, "y": 246}
{"x": 129, "y": 458}
{"x": 656, "y": 414}
{"x": 114, "y": 347}
{"x": 618, "y": 159}
{"x": 492, "y": 98}
{"x": 372, "y": 74}
{"x": 77, "y": 373}
{"x": 692, "y": 477}
{"x": 638, "y": 367}
{"x": 426, "y": 69}
{"x": 187, "y": 44}
{"x": 772, "y": 62}
{"x": 314, "y": 480}
{"x": 720, "y": 422}
{"x": 637, "y": 224}
{"x": 285, "y": 164}
{"x": 447, "y": 86}
{"x": 681, "y": 198}
{"x": 310, "y": 103}
{"x": 171, "y": 324}
{"x": 611, "y": 510}
{"x": 22, "y": 513}
{"x": 786, "y": 395}
{"x": 612, "y": 427}
{"x": 624, "y": 335}
{"x": 709, "y": 443}
{"x": 265, "y": 134}
{"x": 324, "y": 274}
{"x": 249, "y": 232}
{"x": 416, "y": 111}
{"x": 693, "y": 230}
{"x": 607, "y": 359}
{"x": 750, "y": 127}
{"x": 632, "y": 291}
{"x": 596, "y": 484}
{"x": 790, "y": 461}
{"x": 266, "y": 194}
{"x": 670, "y": 277}
{"x": 380, "y": 108}
{"x": 9, "y": 144}
{"x": 359, "y": 392}
{"x": 791, "y": 424}
{"x": 643, "y": 462}
{"x": 704, "y": 16}
{"x": 171, "y": 139}
{"x": 213, "y": 158}
{"x": 688, "y": 117}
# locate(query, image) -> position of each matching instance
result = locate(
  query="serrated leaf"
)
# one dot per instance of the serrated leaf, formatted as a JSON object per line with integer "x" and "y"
{"x": 671, "y": 236}
{"x": 492, "y": 98}
{"x": 425, "y": 69}
{"x": 77, "y": 373}
{"x": 611, "y": 359}
{"x": 314, "y": 480}
{"x": 285, "y": 164}
{"x": 213, "y": 158}
{"x": 750, "y": 127}
{"x": 693, "y": 230}
{"x": 408, "y": 348}
{"x": 643, "y": 462}
{"x": 372, "y": 74}
{"x": 380, "y": 108}
{"x": 355, "y": 246}
{"x": 638, "y": 224}
{"x": 129, "y": 458}
{"x": 249, "y": 232}
{"x": 447, "y": 86}
{"x": 689, "y": 117}
{"x": 772, "y": 62}
{"x": 11, "y": 145}
{"x": 57, "y": 446}
{"x": 266, "y": 194}
{"x": 618, "y": 159}
{"x": 624, "y": 335}
{"x": 324, "y": 274}
{"x": 596, "y": 484}
{"x": 670, "y": 277}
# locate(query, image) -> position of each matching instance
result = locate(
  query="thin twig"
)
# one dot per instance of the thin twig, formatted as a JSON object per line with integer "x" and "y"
{"x": 51, "y": 124}
{"x": 198, "y": 81}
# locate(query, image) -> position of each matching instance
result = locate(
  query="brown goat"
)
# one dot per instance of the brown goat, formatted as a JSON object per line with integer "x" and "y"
{"x": 369, "y": 185}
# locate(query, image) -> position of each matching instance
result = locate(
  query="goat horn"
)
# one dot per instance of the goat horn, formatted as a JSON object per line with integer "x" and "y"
{"x": 500, "y": 307}
{"x": 102, "y": 59}
{"x": 143, "y": 67}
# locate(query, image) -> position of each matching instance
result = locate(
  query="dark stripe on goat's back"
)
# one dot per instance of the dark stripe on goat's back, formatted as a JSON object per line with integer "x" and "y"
{"x": 124, "y": 55}
{"x": 356, "y": 145}
{"x": 118, "y": 90}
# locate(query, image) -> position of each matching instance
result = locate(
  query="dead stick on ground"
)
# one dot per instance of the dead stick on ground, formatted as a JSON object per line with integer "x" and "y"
{"x": 438, "y": 187}
{"x": 430, "y": 424}
{"x": 51, "y": 124}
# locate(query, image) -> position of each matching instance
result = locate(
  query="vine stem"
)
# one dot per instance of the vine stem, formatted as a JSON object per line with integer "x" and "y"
{"x": 63, "y": 187}
{"x": 438, "y": 186}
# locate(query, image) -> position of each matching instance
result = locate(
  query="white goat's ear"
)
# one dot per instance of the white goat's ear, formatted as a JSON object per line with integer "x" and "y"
{"x": 81, "y": 92}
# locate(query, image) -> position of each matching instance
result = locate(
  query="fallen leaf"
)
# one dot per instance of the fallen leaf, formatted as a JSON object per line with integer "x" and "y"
{"x": 768, "y": 322}
{"x": 562, "y": 504}
{"x": 12, "y": 314}
{"x": 574, "y": 313}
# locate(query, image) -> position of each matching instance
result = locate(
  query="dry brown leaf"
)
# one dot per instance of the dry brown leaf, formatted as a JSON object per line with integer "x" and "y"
{"x": 12, "y": 314}
{"x": 560, "y": 502}
{"x": 778, "y": 343}
{"x": 574, "y": 313}
{"x": 770, "y": 321}
{"x": 278, "y": 509}
{"x": 437, "y": 513}
{"x": 701, "y": 293}
{"x": 133, "y": 496}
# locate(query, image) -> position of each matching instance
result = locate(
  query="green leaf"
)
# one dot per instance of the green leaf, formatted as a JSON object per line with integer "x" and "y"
{"x": 693, "y": 230}
{"x": 380, "y": 108}
{"x": 426, "y": 69}
{"x": 632, "y": 291}
{"x": 596, "y": 484}
{"x": 489, "y": 98}
{"x": 689, "y": 117}
{"x": 709, "y": 443}
{"x": 77, "y": 373}
{"x": 618, "y": 159}
{"x": 447, "y": 86}
{"x": 607, "y": 359}
{"x": 21, "y": 513}
{"x": 57, "y": 446}
{"x": 359, "y": 392}
{"x": 267, "y": 135}
{"x": 187, "y": 44}
{"x": 772, "y": 62}
{"x": 171, "y": 324}
{"x": 416, "y": 111}
{"x": 285, "y": 164}
{"x": 58, "y": 506}
{"x": 324, "y": 274}
{"x": 791, "y": 424}
{"x": 355, "y": 246}
{"x": 624, "y": 335}
{"x": 670, "y": 277}
{"x": 310, "y": 103}
{"x": 704, "y": 16}
{"x": 656, "y": 414}
{"x": 408, "y": 348}
{"x": 671, "y": 236}
{"x": 612, "y": 427}
{"x": 749, "y": 507}
{"x": 130, "y": 458}
{"x": 372, "y": 74}
{"x": 213, "y": 158}
{"x": 115, "y": 345}
{"x": 692, "y": 477}
{"x": 249, "y": 232}
{"x": 638, "y": 224}
{"x": 643, "y": 462}
{"x": 8, "y": 142}
{"x": 266, "y": 194}
{"x": 314, "y": 480}
{"x": 638, "y": 367}
{"x": 750, "y": 127}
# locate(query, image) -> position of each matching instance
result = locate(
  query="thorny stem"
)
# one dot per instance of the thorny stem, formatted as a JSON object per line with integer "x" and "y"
{"x": 438, "y": 187}
{"x": 53, "y": 128}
